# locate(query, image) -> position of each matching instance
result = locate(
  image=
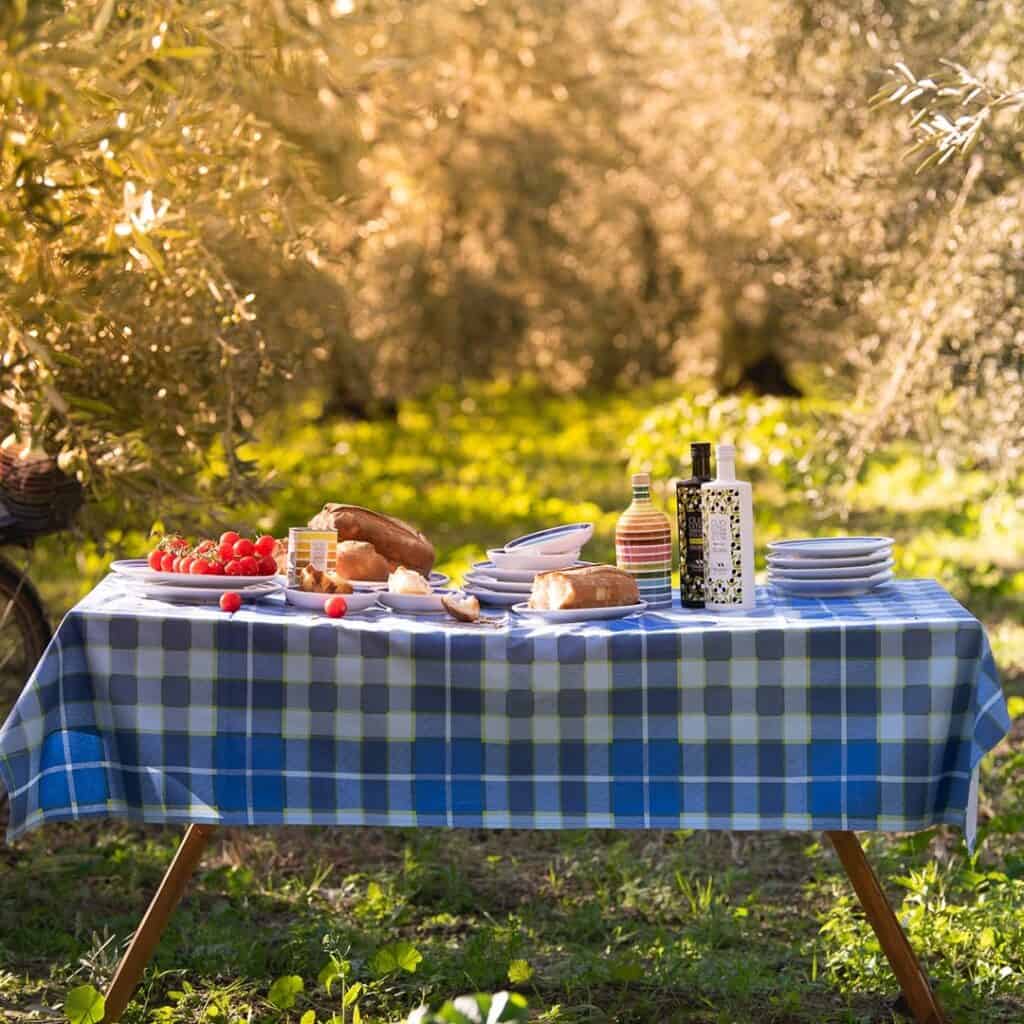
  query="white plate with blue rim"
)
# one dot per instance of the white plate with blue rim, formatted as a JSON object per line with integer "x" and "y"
{"x": 851, "y": 572}
{"x": 485, "y": 582}
{"x": 578, "y": 614}
{"x": 515, "y": 575}
{"x": 832, "y": 588}
{"x": 494, "y": 597}
{"x": 829, "y": 547}
{"x": 554, "y": 541}
{"x": 855, "y": 561}
{"x": 530, "y": 560}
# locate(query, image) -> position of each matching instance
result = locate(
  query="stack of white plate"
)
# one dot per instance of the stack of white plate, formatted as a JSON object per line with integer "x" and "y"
{"x": 506, "y": 578}
{"x": 830, "y": 566}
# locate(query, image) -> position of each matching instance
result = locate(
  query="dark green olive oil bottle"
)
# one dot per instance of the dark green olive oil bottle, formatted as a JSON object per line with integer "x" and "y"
{"x": 691, "y": 529}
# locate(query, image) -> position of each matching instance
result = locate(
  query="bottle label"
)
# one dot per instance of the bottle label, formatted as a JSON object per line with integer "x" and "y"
{"x": 691, "y": 546}
{"x": 723, "y": 548}
{"x": 719, "y": 546}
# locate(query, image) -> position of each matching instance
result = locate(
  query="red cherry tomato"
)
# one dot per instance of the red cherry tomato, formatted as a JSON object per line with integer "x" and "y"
{"x": 226, "y": 550}
{"x": 233, "y": 567}
{"x": 244, "y": 547}
{"x": 228, "y": 537}
{"x": 167, "y": 562}
{"x": 250, "y": 567}
{"x": 335, "y": 607}
{"x": 230, "y": 601}
{"x": 268, "y": 566}
{"x": 215, "y": 568}
{"x": 199, "y": 567}
{"x": 205, "y": 545}
{"x": 176, "y": 564}
{"x": 154, "y": 559}
{"x": 186, "y": 563}
{"x": 266, "y": 544}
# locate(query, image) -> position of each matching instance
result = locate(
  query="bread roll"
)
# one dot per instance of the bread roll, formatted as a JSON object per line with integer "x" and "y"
{"x": 591, "y": 586}
{"x": 313, "y": 581}
{"x": 407, "y": 581}
{"x": 358, "y": 560}
{"x": 397, "y": 541}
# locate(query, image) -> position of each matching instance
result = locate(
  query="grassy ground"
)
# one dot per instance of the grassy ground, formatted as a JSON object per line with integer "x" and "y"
{"x": 712, "y": 928}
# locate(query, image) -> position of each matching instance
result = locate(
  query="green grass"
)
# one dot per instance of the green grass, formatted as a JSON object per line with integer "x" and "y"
{"x": 712, "y": 928}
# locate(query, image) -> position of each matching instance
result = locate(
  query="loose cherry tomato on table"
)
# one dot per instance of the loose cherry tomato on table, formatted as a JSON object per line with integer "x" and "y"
{"x": 228, "y": 537}
{"x": 154, "y": 559}
{"x": 250, "y": 567}
{"x": 335, "y": 607}
{"x": 230, "y": 601}
{"x": 268, "y": 566}
{"x": 244, "y": 547}
{"x": 266, "y": 545}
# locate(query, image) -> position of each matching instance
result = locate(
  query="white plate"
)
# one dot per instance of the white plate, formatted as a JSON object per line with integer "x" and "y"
{"x": 415, "y": 604}
{"x": 138, "y": 569}
{"x": 436, "y": 580}
{"x": 579, "y": 614}
{"x": 513, "y": 575}
{"x": 850, "y": 572}
{"x": 783, "y": 562}
{"x": 829, "y": 547}
{"x": 526, "y": 560}
{"x": 493, "y": 583}
{"x": 494, "y": 597}
{"x": 832, "y": 588}
{"x": 554, "y": 541}
{"x": 315, "y": 602}
{"x": 211, "y": 594}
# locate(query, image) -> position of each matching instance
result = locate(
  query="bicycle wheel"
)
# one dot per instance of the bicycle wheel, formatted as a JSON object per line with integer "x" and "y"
{"x": 24, "y": 634}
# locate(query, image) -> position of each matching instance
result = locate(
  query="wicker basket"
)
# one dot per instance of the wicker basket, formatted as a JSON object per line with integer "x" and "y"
{"x": 40, "y": 496}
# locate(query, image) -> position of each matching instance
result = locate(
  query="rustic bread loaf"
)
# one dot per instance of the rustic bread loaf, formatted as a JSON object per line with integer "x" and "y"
{"x": 591, "y": 586}
{"x": 397, "y": 541}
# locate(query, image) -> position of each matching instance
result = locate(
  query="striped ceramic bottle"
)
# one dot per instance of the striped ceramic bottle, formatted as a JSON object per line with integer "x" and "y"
{"x": 643, "y": 545}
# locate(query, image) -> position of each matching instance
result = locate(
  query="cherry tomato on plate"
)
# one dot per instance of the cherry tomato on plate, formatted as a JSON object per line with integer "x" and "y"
{"x": 244, "y": 547}
{"x": 335, "y": 607}
{"x": 233, "y": 567}
{"x": 154, "y": 559}
{"x": 199, "y": 567}
{"x": 230, "y": 601}
{"x": 250, "y": 567}
{"x": 185, "y": 565}
{"x": 228, "y": 537}
{"x": 268, "y": 566}
{"x": 215, "y": 567}
{"x": 226, "y": 550}
{"x": 167, "y": 562}
{"x": 266, "y": 544}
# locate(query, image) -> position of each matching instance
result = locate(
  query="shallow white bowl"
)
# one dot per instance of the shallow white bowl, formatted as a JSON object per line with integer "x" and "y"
{"x": 526, "y": 560}
{"x": 358, "y": 602}
{"x": 553, "y": 541}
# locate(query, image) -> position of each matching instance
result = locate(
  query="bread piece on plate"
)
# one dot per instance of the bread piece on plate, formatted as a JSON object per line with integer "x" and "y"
{"x": 407, "y": 581}
{"x": 314, "y": 581}
{"x": 591, "y": 586}
{"x": 395, "y": 540}
{"x": 465, "y": 609}
{"x": 358, "y": 560}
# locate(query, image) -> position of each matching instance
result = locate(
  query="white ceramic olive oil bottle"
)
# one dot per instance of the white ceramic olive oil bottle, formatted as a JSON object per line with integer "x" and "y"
{"x": 727, "y": 511}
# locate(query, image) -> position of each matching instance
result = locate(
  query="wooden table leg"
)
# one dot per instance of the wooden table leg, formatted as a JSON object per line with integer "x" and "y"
{"x": 147, "y": 935}
{"x": 923, "y": 1002}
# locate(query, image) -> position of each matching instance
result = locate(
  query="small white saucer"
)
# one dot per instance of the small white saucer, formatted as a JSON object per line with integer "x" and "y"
{"x": 414, "y": 604}
{"x": 358, "y": 602}
{"x": 829, "y": 547}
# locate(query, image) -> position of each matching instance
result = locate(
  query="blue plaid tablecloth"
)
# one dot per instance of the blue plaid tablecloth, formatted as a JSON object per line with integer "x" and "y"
{"x": 862, "y": 713}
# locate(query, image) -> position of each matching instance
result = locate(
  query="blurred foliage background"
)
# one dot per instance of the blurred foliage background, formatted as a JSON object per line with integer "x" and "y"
{"x": 210, "y": 206}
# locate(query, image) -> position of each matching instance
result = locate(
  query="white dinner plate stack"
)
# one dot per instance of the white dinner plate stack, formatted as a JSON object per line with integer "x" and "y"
{"x": 830, "y": 566}
{"x": 506, "y": 578}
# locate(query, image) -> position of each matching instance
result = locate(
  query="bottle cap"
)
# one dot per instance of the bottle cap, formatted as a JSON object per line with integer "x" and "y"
{"x": 700, "y": 448}
{"x": 641, "y": 479}
{"x": 725, "y": 451}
